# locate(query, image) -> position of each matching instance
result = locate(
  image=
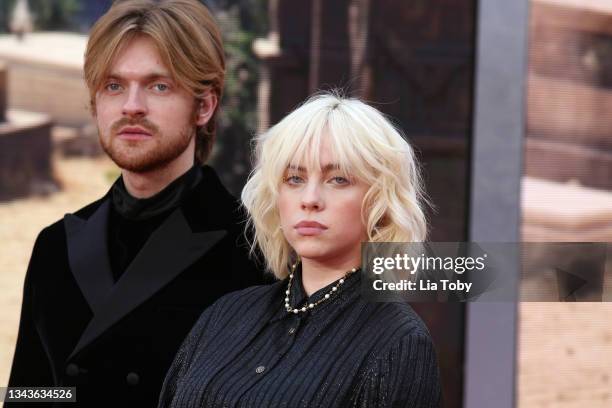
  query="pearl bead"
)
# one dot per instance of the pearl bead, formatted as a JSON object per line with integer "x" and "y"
{"x": 311, "y": 305}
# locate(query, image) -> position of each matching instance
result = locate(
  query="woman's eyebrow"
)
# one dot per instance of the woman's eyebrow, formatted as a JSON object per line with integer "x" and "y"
{"x": 325, "y": 168}
{"x": 294, "y": 167}
{"x": 330, "y": 167}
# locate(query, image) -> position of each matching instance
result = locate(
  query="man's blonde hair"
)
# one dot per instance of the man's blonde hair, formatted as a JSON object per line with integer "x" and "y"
{"x": 187, "y": 38}
{"x": 364, "y": 144}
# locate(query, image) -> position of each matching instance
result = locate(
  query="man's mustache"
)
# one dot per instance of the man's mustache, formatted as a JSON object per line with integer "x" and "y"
{"x": 143, "y": 123}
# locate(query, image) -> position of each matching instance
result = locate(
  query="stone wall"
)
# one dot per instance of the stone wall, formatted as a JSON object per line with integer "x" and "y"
{"x": 569, "y": 125}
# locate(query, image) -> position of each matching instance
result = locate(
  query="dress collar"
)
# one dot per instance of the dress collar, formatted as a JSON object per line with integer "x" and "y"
{"x": 298, "y": 297}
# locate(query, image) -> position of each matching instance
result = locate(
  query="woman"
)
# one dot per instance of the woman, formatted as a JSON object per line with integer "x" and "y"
{"x": 332, "y": 174}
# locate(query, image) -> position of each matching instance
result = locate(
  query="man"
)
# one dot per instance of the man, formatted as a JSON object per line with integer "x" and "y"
{"x": 112, "y": 290}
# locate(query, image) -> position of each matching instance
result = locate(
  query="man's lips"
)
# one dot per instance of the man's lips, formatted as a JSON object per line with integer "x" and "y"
{"x": 133, "y": 133}
{"x": 309, "y": 228}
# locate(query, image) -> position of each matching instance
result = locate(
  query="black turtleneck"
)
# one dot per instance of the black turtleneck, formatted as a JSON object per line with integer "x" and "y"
{"x": 133, "y": 220}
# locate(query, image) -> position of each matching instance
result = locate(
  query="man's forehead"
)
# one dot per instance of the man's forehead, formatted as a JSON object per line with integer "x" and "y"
{"x": 140, "y": 58}
{"x": 142, "y": 75}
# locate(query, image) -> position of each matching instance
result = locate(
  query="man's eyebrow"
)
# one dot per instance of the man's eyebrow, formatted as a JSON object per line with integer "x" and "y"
{"x": 147, "y": 78}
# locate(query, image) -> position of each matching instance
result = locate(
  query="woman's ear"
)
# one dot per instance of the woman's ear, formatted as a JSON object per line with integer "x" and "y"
{"x": 206, "y": 107}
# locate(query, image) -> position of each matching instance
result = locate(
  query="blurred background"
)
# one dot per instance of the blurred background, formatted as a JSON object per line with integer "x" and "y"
{"x": 414, "y": 60}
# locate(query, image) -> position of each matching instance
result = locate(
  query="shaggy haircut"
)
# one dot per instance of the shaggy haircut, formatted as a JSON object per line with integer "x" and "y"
{"x": 188, "y": 41}
{"x": 365, "y": 145}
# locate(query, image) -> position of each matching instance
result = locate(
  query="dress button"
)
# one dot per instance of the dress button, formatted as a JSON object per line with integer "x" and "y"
{"x": 72, "y": 370}
{"x": 260, "y": 369}
{"x": 132, "y": 378}
{"x": 292, "y": 330}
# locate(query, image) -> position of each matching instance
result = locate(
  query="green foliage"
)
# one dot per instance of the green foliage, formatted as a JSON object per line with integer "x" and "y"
{"x": 241, "y": 73}
{"x": 240, "y": 22}
{"x": 48, "y": 15}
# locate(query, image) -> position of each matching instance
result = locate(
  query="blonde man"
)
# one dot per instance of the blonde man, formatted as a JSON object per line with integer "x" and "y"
{"x": 112, "y": 289}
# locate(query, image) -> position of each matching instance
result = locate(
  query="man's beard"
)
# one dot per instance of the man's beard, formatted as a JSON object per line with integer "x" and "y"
{"x": 141, "y": 156}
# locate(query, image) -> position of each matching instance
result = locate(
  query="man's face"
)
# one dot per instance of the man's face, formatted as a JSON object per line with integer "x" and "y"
{"x": 145, "y": 120}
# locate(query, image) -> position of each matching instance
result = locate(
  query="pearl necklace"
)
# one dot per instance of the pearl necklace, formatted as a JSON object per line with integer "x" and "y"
{"x": 312, "y": 305}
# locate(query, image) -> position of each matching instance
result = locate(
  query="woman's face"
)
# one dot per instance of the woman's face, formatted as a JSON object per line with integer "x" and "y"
{"x": 320, "y": 211}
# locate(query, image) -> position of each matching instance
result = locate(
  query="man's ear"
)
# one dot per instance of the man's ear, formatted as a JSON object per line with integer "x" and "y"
{"x": 206, "y": 107}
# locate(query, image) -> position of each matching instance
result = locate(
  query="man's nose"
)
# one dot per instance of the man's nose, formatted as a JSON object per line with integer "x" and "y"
{"x": 312, "y": 199}
{"x": 135, "y": 104}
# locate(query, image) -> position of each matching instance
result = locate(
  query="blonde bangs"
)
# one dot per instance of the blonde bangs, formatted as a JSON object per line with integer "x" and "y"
{"x": 364, "y": 144}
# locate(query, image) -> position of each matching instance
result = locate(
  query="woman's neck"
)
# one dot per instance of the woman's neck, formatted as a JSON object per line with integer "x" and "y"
{"x": 318, "y": 274}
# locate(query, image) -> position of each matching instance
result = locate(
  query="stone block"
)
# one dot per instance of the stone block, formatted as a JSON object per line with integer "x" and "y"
{"x": 569, "y": 111}
{"x": 3, "y": 84}
{"x": 25, "y": 155}
{"x": 562, "y": 162}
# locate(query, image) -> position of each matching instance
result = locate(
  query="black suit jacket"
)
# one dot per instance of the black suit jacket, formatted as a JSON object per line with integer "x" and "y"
{"x": 115, "y": 342}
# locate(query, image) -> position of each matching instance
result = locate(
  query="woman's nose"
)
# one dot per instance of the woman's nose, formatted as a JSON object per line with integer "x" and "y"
{"x": 312, "y": 198}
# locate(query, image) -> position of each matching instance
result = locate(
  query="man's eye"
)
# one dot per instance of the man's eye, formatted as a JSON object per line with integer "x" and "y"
{"x": 161, "y": 87}
{"x": 113, "y": 86}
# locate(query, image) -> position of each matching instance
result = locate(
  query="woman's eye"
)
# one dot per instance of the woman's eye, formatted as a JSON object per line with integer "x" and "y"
{"x": 293, "y": 180}
{"x": 340, "y": 180}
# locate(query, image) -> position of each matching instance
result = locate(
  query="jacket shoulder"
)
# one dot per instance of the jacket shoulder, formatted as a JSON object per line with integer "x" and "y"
{"x": 399, "y": 320}
{"x": 57, "y": 228}
{"x": 248, "y": 296}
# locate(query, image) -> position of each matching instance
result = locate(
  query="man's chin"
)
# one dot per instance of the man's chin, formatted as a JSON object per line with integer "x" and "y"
{"x": 137, "y": 161}
{"x": 139, "y": 165}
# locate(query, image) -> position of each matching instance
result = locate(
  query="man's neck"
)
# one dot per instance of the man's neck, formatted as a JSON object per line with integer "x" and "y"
{"x": 145, "y": 185}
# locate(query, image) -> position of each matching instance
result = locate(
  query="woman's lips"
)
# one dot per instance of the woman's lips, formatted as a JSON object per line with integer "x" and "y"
{"x": 309, "y": 228}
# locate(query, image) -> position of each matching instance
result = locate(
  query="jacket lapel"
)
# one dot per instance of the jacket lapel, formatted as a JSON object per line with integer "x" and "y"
{"x": 169, "y": 250}
{"x": 88, "y": 254}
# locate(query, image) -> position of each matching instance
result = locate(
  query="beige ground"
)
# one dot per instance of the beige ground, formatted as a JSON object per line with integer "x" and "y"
{"x": 83, "y": 181}
{"x": 565, "y": 355}
{"x": 565, "y": 350}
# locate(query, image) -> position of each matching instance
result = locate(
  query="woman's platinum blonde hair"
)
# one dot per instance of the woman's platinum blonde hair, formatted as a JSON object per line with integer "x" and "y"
{"x": 364, "y": 144}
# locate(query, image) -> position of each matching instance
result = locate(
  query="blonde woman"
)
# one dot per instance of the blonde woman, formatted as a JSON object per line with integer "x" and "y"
{"x": 332, "y": 174}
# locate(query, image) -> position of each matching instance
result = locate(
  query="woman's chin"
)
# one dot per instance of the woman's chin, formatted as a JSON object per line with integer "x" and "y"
{"x": 313, "y": 253}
